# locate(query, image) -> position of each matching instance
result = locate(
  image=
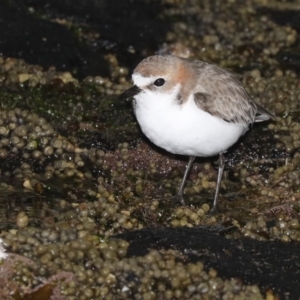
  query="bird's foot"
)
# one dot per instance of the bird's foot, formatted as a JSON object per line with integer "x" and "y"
{"x": 213, "y": 211}
{"x": 179, "y": 198}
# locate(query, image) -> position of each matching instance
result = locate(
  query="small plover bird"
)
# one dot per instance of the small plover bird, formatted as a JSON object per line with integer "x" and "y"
{"x": 191, "y": 108}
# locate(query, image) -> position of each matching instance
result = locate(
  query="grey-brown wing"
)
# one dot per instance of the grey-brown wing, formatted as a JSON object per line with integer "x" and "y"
{"x": 223, "y": 96}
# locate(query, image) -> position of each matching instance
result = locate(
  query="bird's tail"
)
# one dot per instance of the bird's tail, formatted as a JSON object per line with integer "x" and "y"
{"x": 263, "y": 114}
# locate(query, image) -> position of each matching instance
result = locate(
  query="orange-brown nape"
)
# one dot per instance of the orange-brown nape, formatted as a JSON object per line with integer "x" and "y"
{"x": 185, "y": 77}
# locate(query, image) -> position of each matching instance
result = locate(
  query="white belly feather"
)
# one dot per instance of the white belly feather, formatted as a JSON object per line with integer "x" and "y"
{"x": 184, "y": 129}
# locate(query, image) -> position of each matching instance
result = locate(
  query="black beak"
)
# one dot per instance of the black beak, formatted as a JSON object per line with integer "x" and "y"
{"x": 130, "y": 93}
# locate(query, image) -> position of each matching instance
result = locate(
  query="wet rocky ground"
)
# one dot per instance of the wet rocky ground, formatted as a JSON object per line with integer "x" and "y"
{"x": 86, "y": 202}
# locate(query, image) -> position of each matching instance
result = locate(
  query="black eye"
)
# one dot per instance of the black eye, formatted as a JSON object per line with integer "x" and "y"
{"x": 159, "y": 82}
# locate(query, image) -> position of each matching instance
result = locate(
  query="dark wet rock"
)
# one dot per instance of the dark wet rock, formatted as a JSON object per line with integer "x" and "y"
{"x": 272, "y": 265}
{"x": 126, "y": 28}
{"x": 288, "y": 58}
{"x": 286, "y": 17}
{"x": 249, "y": 150}
{"x": 45, "y": 43}
{"x": 76, "y": 169}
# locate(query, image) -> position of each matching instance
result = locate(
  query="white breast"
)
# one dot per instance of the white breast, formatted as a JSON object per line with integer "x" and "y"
{"x": 183, "y": 129}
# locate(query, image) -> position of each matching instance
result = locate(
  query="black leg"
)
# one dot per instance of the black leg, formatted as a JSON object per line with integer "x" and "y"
{"x": 188, "y": 167}
{"x": 220, "y": 173}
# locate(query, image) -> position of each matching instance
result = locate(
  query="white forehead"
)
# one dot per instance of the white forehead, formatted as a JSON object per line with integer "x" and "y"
{"x": 141, "y": 81}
